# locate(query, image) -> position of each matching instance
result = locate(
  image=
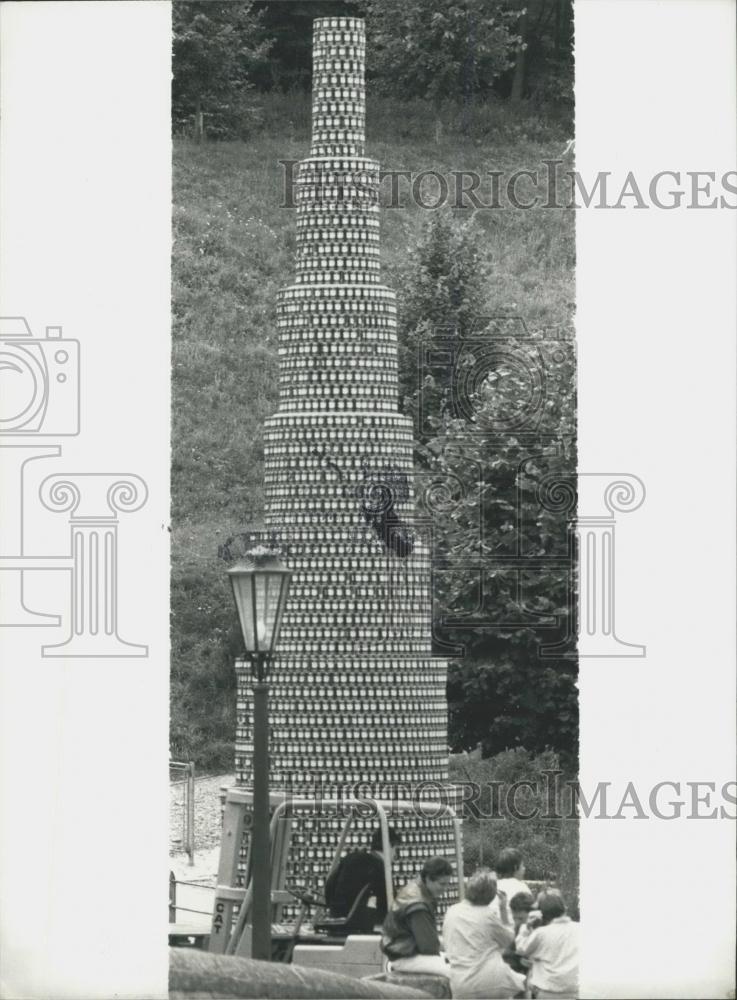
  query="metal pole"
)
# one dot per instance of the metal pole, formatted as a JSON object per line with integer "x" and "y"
{"x": 190, "y": 811}
{"x": 385, "y": 844}
{"x": 184, "y": 809}
{"x": 261, "y": 848}
{"x": 457, "y": 831}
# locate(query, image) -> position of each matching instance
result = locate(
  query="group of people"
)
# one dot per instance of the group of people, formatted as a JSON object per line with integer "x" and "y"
{"x": 499, "y": 941}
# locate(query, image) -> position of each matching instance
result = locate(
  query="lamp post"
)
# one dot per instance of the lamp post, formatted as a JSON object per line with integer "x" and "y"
{"x": 260, "y": 585}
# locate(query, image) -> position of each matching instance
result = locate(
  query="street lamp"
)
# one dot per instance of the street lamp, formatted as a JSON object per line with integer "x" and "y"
{"x": 260, "y": 585}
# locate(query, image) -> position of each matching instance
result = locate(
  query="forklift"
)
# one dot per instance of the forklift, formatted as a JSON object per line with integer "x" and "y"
{"x": 310, "y": 938}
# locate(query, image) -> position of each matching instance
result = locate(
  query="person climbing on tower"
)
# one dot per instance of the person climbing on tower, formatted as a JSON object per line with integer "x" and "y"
{"x": 361, "y": 874}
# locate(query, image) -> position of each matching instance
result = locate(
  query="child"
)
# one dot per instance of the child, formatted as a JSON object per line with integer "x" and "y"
{"x": 549, "y": 940}
{"x": 519, "y": 907}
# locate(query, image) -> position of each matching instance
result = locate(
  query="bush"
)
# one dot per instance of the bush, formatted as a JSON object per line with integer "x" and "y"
{"x": 501, "y": 692}
{"x": 549, "y": 845}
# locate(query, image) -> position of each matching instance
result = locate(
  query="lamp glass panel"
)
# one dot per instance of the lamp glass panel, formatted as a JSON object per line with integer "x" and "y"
{"x": 260, "y": 610}
{"x": 268, "y": 591}
{"x": 243, "y": 592}
{"x": 284, "y": 581}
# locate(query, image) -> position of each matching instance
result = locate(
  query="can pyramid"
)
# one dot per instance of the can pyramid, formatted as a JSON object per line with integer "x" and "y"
{"x": 356, "y": 697}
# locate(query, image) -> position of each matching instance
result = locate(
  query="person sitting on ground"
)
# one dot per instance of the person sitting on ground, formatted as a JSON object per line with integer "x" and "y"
{"x": 519, "y": 907}
{"x": 410, "y": 936}
{"x": 361, "y": 873}
{"x": 474, "y": 939}
{"x": 549, "y": 940}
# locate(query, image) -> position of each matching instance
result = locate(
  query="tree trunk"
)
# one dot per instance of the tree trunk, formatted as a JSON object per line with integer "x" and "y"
{"x": 467, "y": 109}
{"x": 199, "y": 123}
{"x": 437, "y": 104}
{"x": 520, "y": 66}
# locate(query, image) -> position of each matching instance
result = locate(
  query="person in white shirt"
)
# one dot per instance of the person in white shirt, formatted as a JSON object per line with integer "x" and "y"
{"x": 510, "y": 870}
{"x": 549, "y": 940}
{"x": 474, "y": 938}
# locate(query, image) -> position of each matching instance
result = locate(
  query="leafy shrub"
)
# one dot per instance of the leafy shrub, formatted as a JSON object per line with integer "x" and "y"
{"x": 548, "y": 844}
{"x": 501, "y": 692}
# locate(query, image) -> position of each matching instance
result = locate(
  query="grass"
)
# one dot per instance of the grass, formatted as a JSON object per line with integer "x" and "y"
{"x": 233, "y": 248}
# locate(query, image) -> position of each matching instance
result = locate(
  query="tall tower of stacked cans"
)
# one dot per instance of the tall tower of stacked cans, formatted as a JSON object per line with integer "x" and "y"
{"x": 357, "y": 700}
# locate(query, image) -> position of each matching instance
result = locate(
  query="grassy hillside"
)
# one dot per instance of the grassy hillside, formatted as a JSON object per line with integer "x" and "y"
{"x": 233, "y": 248}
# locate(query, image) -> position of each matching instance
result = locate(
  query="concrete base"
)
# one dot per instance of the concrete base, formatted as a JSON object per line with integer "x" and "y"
{"x": 359, "y": 956}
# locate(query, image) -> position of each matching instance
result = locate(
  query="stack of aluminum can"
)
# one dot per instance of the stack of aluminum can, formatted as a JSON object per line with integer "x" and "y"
{"x": 358, "y": 701}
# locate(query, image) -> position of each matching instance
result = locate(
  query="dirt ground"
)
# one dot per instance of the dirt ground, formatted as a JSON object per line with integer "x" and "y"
{"x": 206, "y": 825}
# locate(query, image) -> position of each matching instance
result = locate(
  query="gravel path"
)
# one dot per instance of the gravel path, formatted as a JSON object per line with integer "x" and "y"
{"x": 206, "y": 816}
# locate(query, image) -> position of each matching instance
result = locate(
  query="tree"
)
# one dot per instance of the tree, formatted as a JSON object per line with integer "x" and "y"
{"x": 290, "y": 25}
{"x": 543, "y": 64}
{"x": 445, "y": 291}
{"x": 497, "y": 439}
{"x": 439, "y": 50}
{"x": 520, "y": 62}
{"x": 216, "y": 44}
{"x": 509, "y": 545}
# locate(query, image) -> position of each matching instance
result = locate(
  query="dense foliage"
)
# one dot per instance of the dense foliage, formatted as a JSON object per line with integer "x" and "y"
{"x": 217, "y": 46}
{"x": 494, "y": 409}
{"x": 448, "y": 52}
{"x": 290, "y": 26}
{"x": 543, "y": 66}
{"x": 439, "y": 50}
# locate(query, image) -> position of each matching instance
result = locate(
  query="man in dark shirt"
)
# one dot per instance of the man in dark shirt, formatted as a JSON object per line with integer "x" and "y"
{"x": 361, "y": 873}
{"x": 410, "y": 936}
